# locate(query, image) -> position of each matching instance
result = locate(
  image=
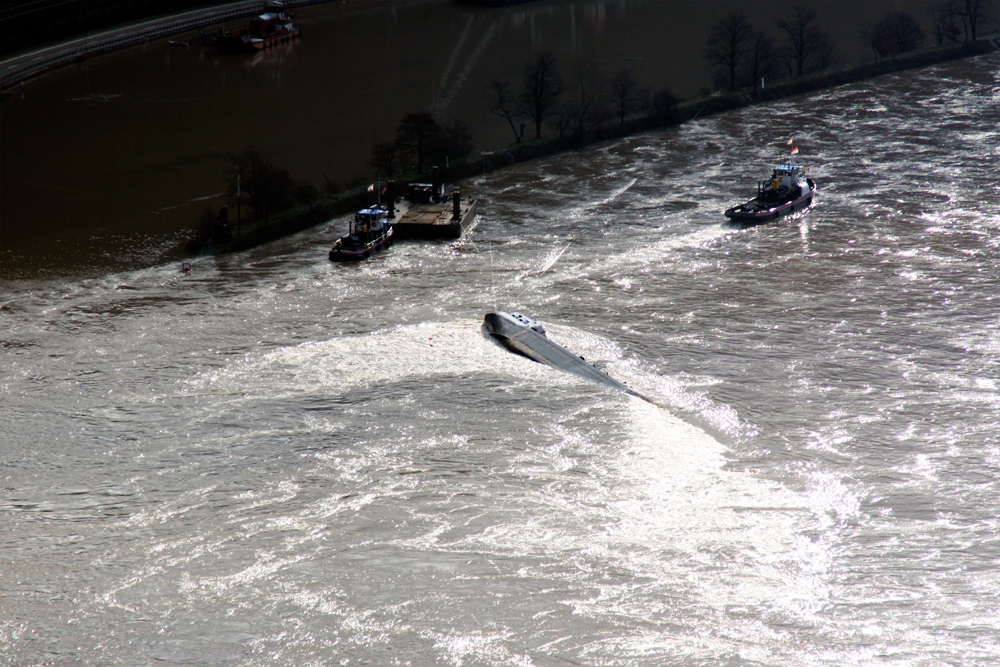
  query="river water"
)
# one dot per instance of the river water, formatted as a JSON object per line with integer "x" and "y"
{"x": 111, "y": 164}
{"x": 274, "y": 459}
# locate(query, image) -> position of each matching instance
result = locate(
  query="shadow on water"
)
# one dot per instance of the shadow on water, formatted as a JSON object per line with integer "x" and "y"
{"x": 109, "y": 164}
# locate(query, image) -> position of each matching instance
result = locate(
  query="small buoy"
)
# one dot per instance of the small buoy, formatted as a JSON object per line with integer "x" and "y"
{"x": 186, "y": 267}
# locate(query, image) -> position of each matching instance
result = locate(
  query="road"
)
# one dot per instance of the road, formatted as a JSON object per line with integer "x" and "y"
{"x": 27, "y": 65}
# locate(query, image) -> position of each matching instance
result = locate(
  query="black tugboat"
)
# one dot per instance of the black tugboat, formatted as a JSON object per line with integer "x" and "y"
{"x": 368, "y": 233}
{"x": 789, "y": 190}
{"x": 527, "y": 337}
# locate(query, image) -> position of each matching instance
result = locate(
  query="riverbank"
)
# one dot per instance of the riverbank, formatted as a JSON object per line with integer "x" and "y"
{"x": 255, "y": 233}
{"x": 839, "y": 76}
{"x": 32, "y": 25}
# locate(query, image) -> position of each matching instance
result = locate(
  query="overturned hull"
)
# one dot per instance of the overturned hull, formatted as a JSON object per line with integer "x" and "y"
{"x": 524, "y": 336}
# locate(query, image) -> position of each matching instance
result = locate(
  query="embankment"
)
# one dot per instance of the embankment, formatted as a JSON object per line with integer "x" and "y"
{"x": 833, "y": 77}
{"x": 301, "y": 218}
{"x": 688, "y": 110}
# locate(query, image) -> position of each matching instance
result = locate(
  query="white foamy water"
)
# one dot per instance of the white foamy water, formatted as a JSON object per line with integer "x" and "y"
{"x": 279, "y": 460}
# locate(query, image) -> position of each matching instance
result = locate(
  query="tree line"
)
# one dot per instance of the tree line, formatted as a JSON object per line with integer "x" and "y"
{"x": 420, "y": 142}
{"x": 740, "y": 55}
{"x": 581, "y": 104}
{"x": 586, "y": 103}
{"x": 258, "y": 188}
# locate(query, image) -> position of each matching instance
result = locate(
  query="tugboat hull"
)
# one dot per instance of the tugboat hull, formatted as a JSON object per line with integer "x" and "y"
{"x": 759, "y": 210}
{"x": 368, "y": 233}
{"x": 355, "y": 253}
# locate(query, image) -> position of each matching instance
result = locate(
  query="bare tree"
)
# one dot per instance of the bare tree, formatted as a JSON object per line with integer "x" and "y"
{"x": 330, "y": 186}
{"x": 624, "y": 93}
{"x": 760, "y": 63}
{"x": 973, "y": 14}
{"x": 662, "y": 104}
{"x": 416, "y": 135}
{"x": 384, "y": 158}
{"x": 267, "y": 187}
{"x": 504, "y": 105}
{"x": 808, "y": 48}
{"x": 906, "y": 32}
{"x": 946, "y": 23}
{"x": 541, "y": 90}
{"x": 895, "y": 33}
{"x": 585, "y": 106}
{"x": 454, "y": 141}
{"x": 728, "y": 44}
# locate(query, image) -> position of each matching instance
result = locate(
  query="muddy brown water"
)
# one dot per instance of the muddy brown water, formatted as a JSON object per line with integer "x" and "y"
{"x": 278, "y": 460}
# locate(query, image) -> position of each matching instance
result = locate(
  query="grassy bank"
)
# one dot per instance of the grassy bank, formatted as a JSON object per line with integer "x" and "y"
{"x": 251, "y": 233}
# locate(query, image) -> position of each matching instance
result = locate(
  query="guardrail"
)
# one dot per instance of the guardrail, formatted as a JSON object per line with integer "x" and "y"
{"x": 25, "y": 66}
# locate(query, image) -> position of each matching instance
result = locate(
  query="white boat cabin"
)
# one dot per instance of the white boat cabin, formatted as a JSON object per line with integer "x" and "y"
{"x": 369, "y": 221}
{"x": 787, "y": 177}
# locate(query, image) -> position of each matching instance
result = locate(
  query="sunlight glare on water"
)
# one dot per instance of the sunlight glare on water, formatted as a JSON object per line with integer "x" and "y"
{"x": 274, "y": 459}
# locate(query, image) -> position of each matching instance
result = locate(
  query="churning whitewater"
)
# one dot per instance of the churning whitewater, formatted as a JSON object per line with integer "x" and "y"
{"x": 278, "y": 460}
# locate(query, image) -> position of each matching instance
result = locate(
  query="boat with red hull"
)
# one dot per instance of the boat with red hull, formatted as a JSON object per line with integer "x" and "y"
{"x": 788, "y": 191}
{"x": 272, "y": 27}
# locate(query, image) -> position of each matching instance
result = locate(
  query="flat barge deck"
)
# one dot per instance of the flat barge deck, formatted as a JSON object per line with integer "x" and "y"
{"x": 433, "y": 220}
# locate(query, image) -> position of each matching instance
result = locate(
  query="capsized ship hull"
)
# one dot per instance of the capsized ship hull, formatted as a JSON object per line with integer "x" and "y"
{"x": 524, "y": 336}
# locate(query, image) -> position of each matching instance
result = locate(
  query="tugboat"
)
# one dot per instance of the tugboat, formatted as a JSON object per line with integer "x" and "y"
{"x": 368, "y": 233}
{"x": 788, "y": 190}
{"x": 272, "y": 27}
